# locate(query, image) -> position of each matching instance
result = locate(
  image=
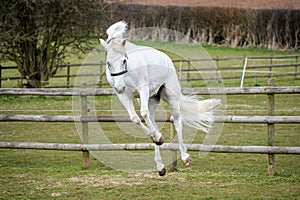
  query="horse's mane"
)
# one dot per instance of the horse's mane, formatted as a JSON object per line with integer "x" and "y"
{"x": 117, "y": 30}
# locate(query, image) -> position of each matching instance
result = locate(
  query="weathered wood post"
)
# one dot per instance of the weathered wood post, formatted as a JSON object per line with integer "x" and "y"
{"x": 270, "y": 67}
{"x": 179, "y": 71}
{"x": 0, "y": 76}
{"x": 102, "y": 72}
{"x": 173, "y": 163}
{"x": 85, "y": 129}
{"x": 296, "y": 66}
{"x": 217, "y": 70}
{"x": 189, "y": 69}
{"x": 271, "y": 130}
{"x": 68, "y": 75}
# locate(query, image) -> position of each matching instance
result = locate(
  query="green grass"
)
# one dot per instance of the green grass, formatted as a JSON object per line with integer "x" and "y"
{"x": 37, "y": 174}
{"x": 103, "y": 183}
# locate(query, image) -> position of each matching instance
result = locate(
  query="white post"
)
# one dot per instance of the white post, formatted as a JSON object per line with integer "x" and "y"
{"x": 244, "y": 71}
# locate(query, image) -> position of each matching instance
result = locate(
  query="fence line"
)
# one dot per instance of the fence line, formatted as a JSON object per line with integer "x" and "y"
{"x": 110, "y": 91}
{"x": 120, "y": 118}
{"x": 270, "y": 59}
{"x": 271, "y": 149}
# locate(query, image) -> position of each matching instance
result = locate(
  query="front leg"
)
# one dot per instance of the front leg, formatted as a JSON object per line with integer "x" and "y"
{"x": 128, "y": 104}
{"x": 144, "y": 102}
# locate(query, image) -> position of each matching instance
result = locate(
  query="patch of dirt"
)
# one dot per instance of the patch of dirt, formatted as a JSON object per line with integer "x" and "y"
{"x": 106, "y": 180}
{"x": 118, "y": 180}
{"x": 259, "y": 4}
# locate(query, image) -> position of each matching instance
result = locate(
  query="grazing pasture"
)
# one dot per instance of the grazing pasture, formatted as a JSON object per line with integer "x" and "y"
{"x": 35, "y": 174}
{"x": 229, "y": 61}
{"x": 52, "y": 174}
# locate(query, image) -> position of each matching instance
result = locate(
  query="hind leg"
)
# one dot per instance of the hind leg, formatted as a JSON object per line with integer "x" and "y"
{"x": 158, "y": 160}
{"x": 153, "y": 103}
{"x": 178, "y": 127}
{"x": 173, "y": 102}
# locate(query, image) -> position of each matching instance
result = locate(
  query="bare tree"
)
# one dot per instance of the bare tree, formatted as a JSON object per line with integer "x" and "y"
{"x": 38, "y": 34}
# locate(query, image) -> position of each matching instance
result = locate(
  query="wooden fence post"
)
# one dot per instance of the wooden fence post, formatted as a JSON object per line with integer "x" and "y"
{"x": 173, "y": 164}
{"x": 179, "y": 72}
{"x": 101, "y": 75}
{"x": 296, "y": 66}
{"x": 189, "y": 70}
{"x": 85, "y": 130}
{"x": 0, "y": 76}
{"x": 271, "y": 130}
{"x": 270, "y": 68}
{"x": 217, "y": 70}
{"x": 68, "y": 75}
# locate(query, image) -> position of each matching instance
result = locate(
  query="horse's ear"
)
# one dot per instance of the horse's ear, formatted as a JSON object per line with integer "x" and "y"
{"x": 124, "y": 42}
{"x": 103, "y": 43}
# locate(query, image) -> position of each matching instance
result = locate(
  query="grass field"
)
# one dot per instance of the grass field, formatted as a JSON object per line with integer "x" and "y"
{"x": 180, "y": 51}
{"x": 35, "y": 174}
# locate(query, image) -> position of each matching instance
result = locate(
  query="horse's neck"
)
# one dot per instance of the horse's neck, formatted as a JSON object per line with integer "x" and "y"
{"x": 130, "y": 46}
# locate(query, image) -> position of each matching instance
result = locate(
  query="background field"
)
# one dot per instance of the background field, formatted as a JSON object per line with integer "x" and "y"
{"x": 176, "y": 51}
{"x": 288, "y": 4}
{"x": 34, "y": 174}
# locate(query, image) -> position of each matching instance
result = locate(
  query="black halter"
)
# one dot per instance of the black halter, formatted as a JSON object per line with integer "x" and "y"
{"x": 121, "y": 72}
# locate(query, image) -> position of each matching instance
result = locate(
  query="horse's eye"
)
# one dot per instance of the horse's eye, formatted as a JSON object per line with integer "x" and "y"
{"x": 108, "y": 64}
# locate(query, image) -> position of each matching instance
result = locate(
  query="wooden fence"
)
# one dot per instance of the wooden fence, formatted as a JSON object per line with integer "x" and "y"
{"x": 270, "y": 63}
{"x": 186, "y": 68}
{"x": 270, "y": 120}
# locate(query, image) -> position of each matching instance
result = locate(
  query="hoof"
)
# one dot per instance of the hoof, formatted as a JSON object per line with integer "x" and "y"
{"x": 160, "y": 142}
{"x": 162, "y": 172}
{"x": 187, "y": 162}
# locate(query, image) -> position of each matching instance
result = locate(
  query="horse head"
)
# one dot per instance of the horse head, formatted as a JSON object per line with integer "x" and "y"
{"x": 116, "y": 57}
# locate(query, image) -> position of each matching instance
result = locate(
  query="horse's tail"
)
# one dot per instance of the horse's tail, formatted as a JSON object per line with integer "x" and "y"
{"x": 197, "y": 113}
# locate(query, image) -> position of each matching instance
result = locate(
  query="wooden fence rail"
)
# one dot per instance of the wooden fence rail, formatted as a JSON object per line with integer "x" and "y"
{"x": 271, "y": 149}
{"x": 150, "y": 146}
{"x": 109, "y": 91}
{"x": 218, "y": 119}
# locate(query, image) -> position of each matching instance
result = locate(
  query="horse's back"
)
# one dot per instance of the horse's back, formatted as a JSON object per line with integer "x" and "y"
{"x": 148, "y": 56}
{"x": 154, "y": 64}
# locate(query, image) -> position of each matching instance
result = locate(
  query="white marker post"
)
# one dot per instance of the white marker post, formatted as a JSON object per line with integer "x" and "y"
{"x": 244, "y": 71}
